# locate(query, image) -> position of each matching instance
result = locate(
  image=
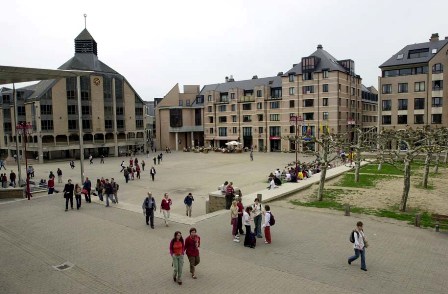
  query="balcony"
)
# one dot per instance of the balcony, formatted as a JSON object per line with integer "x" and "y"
{"x": 222, "y": 101}
{"x": 187, "y": 129}
{"x": 243, "y": 99}
{"x": 274, "y": 98}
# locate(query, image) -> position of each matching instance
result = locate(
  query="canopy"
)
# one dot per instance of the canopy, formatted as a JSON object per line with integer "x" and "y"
{"x": 14, "y": 74}
{"x": 233, "y": 143}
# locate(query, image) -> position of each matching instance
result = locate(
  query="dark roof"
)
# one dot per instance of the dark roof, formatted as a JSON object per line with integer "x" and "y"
{"x": 84, "y": 36}
{"x": 327, "y": 61}
{"x": 245, "y": 84}
{"x": 393, "y": 61}
{"x": 87, "y": 61}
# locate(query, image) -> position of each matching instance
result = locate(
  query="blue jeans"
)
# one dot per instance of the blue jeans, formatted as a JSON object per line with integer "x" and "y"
{"x": 363, "y": 257}
{"x": 257, "y": 222}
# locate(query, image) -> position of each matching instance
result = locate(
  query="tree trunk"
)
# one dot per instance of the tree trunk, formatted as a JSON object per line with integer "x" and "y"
{"x": 446, "y": 156}
{"x": 358, "y": 156}
{"x": 436, "y": 166}
{"x": 407, "y": 185}
{"x": 323, "y": 174}
{"x": 426, "y": 171}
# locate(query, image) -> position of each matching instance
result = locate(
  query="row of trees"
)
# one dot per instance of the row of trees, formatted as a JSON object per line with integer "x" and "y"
{"x": 396, "y": 147}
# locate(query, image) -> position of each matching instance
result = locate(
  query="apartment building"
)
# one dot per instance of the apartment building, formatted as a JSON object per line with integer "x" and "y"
{"x": 322, "y": 91}
{"x": 411, "y": 86}
{"x": 113, "y": 119}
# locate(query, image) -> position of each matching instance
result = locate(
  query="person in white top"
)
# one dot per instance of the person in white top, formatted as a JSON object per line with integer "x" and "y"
{"x": 277, "y": 173}
{"x": 257, "y": 212}
{"x": 272, "y": 184}
{"x": 246, "y": 221}
{"x": 267, "y": 225}
{"x": 359, "y": 246}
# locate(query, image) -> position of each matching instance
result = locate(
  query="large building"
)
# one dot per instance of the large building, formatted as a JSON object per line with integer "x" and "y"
{"x": 411, "y": 86}
{"x": 113, "y": 118}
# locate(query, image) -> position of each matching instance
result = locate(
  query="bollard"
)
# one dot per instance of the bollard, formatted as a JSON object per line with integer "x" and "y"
{"x": 418, "y": 218}
{"x": 347, "y": 210}
{"x": 437, "y": 226}
{"x": 207, "y": 206}
{"x": 260, "y": 197}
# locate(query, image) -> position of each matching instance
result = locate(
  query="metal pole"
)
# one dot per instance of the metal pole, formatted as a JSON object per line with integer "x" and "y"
{"x": 28, "y": 190}
{"x": 16, "y": 116}
{"x": 81, "y": 140}
{"x": 297, "y": 141}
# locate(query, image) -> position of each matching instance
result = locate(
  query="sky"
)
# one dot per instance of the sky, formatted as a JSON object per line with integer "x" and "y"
{"x": 156, "y": 44}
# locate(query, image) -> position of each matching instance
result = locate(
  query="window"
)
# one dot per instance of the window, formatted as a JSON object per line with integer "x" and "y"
{"x": 308, "y": 116}
{"x": 306, "y": 76}
{"x": 86, "y": 125}
{"x": 325, "y": 115}
{"x": 276, "y": 92}
{"x": 324, "y": 101}
{"x": 259, "y": 93}
{"x": 291, "y": 78}
{"x": 247, "y": 131}
{"x": 260, "y": 105}
{"x": 71, "y": 109}
{"x": 274, "y": 117}
{"x": 72, "y": 125}
{"x": 418, "y": 119}
{"x": 233, "y": 118}
{"x": 211, "y": 130}
{"x": 260, "y": 130}
{"x": 232, "y": 95}
{"x": 291, "y": 91}
{"x": 176, "y": 119}
{"x": 181, "y": 103}
{"x": 275, "y": 105}
{"x": 187, "y": 102}
{"x": 308, "y": 103}
{"x": 325, "y": 74}
{"x": 139, "y": 123}
{"x": 209, "y": 98}
{"x": 386, "y": 119}
{"x": 210, "y": 119}
{"x": 437, "y": 68}
{"x": 436, "y": 118}
{"x": 419, "y": 86}
{"x": 307, "y": 89}
{"x": 85, "y": 110}
{"x": 325, "y": 88}
{"x": 222, "y": 108}
{"x": 437, "y": 85}
{"x": 120, "y": 110}
{"x": 247, "y": 118}
{"x": 21, "y": 110}
{"x": 387, "y": 89}
{"x": 400, "y": 56}
{"x": 6, "y": 99}
{"x": 223, "y": 119}
{"x": 418, "y": 53}
{"x": 387, "y": 105}
{"x": 419, "y": 103}
{"x": 352, "y": 91}
{"x": 139, "y": 111}
{"x": 209, "y": 109}
{"x": 247, "y": 106}
{"x": 402, "y": 87}
{"x": 292, "y": 129}
{"x": 233, "y": 107}
{"x": 436, "y": 101}
{"x": 222, "y": 131}
{"x": 291, "y": 103}
{"x": 402, "y": 119}
{"x": 45, "y": 109}
{"x": 235, "y": 130}
{"x": 47, "y": 125}
{"x": 85, "y": 88}
{"x": 402, "y": 104}
{"x": 260, "y": 117}
{"x": 108, "y": 124}
{"x": 200, "y": 99}
{"x": 275, "y": 131}
{"x": 70, "y": 85}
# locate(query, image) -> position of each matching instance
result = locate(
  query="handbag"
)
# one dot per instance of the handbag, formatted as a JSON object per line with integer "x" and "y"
{"x": 84, "y": 191}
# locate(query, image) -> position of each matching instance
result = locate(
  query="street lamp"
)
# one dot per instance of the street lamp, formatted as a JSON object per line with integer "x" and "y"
{"x": 294, "y": 120}
{"x": 25, "y": 129}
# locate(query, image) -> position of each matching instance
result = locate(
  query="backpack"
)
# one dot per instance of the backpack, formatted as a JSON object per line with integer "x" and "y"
{"x": 272, "y": 220}
{"x": 352, "y": 236}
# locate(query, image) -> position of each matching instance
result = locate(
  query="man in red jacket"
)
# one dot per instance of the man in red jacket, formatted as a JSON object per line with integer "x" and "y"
{"x": 192, "y": 244}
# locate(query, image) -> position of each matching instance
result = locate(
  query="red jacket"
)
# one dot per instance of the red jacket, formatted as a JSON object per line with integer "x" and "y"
{"x": 240, "y": 207}
{"x": 190, "y": 246}
{"x": 50, "y": 183}
{"x": 165, "y": 205}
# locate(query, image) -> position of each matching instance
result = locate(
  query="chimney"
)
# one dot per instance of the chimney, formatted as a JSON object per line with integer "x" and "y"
{"x": 227, "y": 79}
{"x": 320, "y": 46}
{"x": 434, "y": 37}
{"x": 280, "y": 73}
{"x": 231, "y": 78}
{"x": 255, "y": 77}
{"x": 446, "y": 38}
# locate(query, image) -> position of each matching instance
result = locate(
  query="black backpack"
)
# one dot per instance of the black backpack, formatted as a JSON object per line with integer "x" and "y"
{"x": 352, "y": 236}
{"x": 271, "y": 220}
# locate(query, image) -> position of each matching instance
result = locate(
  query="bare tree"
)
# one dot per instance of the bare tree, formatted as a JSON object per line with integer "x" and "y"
{"x": 363, "y": 143}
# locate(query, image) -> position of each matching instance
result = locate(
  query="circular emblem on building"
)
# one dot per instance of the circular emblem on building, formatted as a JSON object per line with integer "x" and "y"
{"x": 96, "y": 81}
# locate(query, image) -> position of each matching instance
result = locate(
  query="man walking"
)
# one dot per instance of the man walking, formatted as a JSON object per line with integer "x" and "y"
{"x": 155, "y": 160}
{"x": 230, "y": 194}
{"x": 102, "y": 159}
{"x": 59, "y": 173}
{"x": 68, "y": 194}
{"x": 149, "y": 206}
{"x": 91, "y": 159}
{"x": 109, "y": 191}
{"x": 12, "y": 178}
{"x": 188, "y": 201}
{"x": 152, "y": 172}
{"x": 87, "y": 186}
{"x": 251, "y": 154}
{"x": 115, "y": 188}
{"x": 2, "y": 164}
{"x": 192, "y": 244}
{"x": 257, "y": 212}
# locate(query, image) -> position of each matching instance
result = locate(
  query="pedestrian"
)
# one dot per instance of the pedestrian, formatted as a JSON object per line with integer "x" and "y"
{"x": 99, "y": 188}
{"x": 87, "y": 185}
{"x": 143, "y": 165}
{"x": 115, "y": 188}
{"x": 126, "y": 175}
{"x": 12, "y": 179}
{"x": 2, "y": 164}
{"x": 137, "y": 169}
{"x": 154, "y": 159}
{"x": 102, "y": 159}
{"x": 360, "y": 244}
{"x": 4, "y": 181}
{"x": 78, "y": 196}
{"x": 109, "y": 191}
{"x": 147, "y": 154}
{"x": 165, "y": 207}
{"x": 149, "y": 206}
{"x": 267, "y": 225}
{"x": 188, "y": 201}
{"x": 234, "y": 221}
{"x": 177, "y": 248}
{"x": 122, "y": 166}
{"x": 50, "y": 185}
{"x": 230, "y": 194}
{"x": 132, "y": 172}
{"x": 248, "y": 241}
{"x": 192, "y": 244}
{"x": 51, "y": 175}
{"x": 257, "y": 212}
{"x": 152, "y": 172}
{"x": 251, "y": 155}
{"x": 72, "y": 164}
{"x": 136, "y": 161}
{"x": 159, "y": 158}
{"x": 91, "y": 159}
{"x": 68, "y": 194}
{"x": 240, "y": 216}
{"x": 59, "y": 173}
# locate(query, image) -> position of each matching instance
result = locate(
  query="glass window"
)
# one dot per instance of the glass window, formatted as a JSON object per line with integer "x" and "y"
{"x": 325, "y": 115}
{"x": 437, "y": 68}
{"x": 210, "y": 119}
{"x": 259, "y": 93}
{"x": 419, "y": 86}
{"x": 291, "y": 78}
{"x": 291, "y": 91}
{"x": 402, "y": 119}
{"x": 308, "y": 103}
{"x": 260, "y": 130}
{"x": 402, "y": 87}
{"x": 235, "y": 130}
{"x": 275, "y": 105}
{"x": 325, "y": 88}
{"x": 402, "y": 104}
{"x": 307, "y": 89}
{"x": 71, "y": 109}
{"x": 324, "y": 101}
{"x": 233, "y": 107}
{"x": 419, "y": 103}
{"x": 436, "y": 101}
{"x": 308, "y": 116}
{"x": 386, "y": 119}
{"x": 232, "y": 95}
{"x": 418, "y": 119}
{"x": 418, "y": 53}
{"x": 209, "y": 109}
{"x": 276, "y": 92}
{"x": 275, "y": 131}
{"x": 259, "y": 105}
{"x": 387, "y": 89}
{"x": 247, "y": 106}
{"x": 325, "y": 74}
{"x": 274, "y": 117}
{"x": 187, "y": 102}
{"x": 209, "y": 98}
{"x": 47, "y": 125}
{"x": 306, "y": 76}
{"x": 222, "y": 108}
{"x": 247, "y": 118}
{"x": 260, "y": 117}
{"x": 437, "y": 85}
{"x": 72, "y": 124}
{"x": 222, "y": 131}
{"x": 233, "y": 118}
{"x": 436, "y": 118}
{"x": 85, "y": 109}
{"x": 291, "y": 103}
{"x": 211, "y": 130}
{"x": 108, "y": 124}
{"x": 222, "y": 119}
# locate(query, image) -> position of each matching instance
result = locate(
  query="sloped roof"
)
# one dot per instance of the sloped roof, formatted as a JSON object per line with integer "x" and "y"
{"x": 245, "y": 84}
{"x": 327, "y": 61}
{"x": 393, "y": 61}
{"x": 84, "y": 36}
{"x": 87, "y": 61}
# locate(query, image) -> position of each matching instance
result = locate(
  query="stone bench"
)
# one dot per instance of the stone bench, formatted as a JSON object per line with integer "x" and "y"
{"x": 11, "y": 193}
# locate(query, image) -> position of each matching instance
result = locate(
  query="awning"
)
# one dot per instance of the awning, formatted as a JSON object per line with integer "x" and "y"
{"x": 227, "y": 138}
{"x": 14, "y": 74}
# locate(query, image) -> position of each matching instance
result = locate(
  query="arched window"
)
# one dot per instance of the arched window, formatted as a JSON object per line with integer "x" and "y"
{"x": 437, "y": 68}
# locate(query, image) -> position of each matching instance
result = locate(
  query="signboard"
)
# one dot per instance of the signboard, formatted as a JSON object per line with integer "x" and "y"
{"x": 274, "y": 138}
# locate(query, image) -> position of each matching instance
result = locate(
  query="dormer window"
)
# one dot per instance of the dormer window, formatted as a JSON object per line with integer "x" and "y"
{"x": 418, "y": 53}
{"x": 400, "y": 56}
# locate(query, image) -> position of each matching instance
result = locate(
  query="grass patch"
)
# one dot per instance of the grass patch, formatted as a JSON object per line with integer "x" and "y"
{"x": 386, "y": 169}
{"x": 365, "y": 181}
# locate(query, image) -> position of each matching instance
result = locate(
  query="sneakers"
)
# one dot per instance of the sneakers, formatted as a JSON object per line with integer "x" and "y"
{"x": 349, "y": 262}
{"x": 236, "y": 240}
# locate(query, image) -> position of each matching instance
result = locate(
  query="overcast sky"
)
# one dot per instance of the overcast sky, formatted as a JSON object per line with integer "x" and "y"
{"x": 156, "y": 44}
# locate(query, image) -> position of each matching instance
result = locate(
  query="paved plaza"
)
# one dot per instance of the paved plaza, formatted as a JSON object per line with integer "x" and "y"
{"x": 113, "y": 251}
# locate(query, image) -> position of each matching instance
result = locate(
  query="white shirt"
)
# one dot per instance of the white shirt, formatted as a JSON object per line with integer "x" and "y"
{"x": 256, "y": 209}
{"x": 267, "y": 218}
{"x": 246, "y": 218}
{"x": 272, "y": 184}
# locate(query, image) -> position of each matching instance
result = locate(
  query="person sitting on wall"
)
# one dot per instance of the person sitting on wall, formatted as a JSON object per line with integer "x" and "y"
{"x": 277, "y": 181}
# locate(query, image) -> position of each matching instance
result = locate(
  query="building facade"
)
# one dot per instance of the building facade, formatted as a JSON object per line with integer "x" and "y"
{"x": 113, "y": 118}
{"x": 411, "y": 86}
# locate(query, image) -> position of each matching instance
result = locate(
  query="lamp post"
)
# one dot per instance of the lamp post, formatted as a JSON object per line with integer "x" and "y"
{"x": 25, "y": 129}
{"x": 294, "y": 120}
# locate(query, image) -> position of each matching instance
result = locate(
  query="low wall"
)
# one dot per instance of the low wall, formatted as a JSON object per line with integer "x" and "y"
{"x": 11, "y": 193}
{"x": 217, "y": 200}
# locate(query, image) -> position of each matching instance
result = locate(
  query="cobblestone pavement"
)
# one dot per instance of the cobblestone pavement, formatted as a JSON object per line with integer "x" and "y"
{"x": 113, "y": 251}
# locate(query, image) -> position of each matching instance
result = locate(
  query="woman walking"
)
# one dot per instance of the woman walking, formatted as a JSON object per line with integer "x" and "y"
{"x": 234, "y": 221}
{"x": 249, "y": 238}
{"x": 177, "y": 248}
{"x": 359, "y": 245}
{"x": 192, "y": 244}
{"x": 78, "y": 196}
{"x": 165, "y": 208}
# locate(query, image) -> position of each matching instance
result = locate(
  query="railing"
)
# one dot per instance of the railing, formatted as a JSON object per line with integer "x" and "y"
{"x": 250, "y": 98}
